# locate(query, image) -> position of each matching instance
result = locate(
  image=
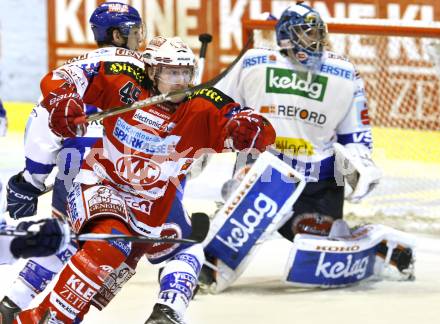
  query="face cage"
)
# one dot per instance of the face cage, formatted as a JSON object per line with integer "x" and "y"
{"x": 311, "y": 38}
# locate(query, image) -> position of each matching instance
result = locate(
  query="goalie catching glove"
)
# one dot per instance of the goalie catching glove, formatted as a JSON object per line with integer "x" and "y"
{"x": 354, "y": 162}
{"x": 248, "y": 130}
{"x": 64, "y": 105}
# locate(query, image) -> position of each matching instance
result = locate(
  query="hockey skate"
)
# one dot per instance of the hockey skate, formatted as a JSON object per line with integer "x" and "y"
{"x": 50, "y": 318}
{"x": 206, "y": 281}
{"x": 8, "y": 311}
{"x": 162, "y": 314}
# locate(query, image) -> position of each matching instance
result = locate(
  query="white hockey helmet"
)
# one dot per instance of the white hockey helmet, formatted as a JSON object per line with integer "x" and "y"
{"x": 171, "y": 63}
{"x": 168, "y": 51}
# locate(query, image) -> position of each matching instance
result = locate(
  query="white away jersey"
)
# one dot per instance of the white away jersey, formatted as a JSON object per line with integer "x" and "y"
{"x": 309, "y": 110}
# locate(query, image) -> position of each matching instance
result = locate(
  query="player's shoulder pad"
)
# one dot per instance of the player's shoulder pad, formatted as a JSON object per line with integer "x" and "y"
{"x": 259, "y": 56}
{"x": 124, "y": 61}
{"x": 134, "y": 71}
{"x": 338, "y": 65}
{"x": 107, "y": 54}
{"x": 213, "y": 95}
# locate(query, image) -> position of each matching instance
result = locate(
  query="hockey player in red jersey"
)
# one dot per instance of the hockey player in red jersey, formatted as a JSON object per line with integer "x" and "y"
{"x": 113, "y": 25}
{"x": 130, "y": 178}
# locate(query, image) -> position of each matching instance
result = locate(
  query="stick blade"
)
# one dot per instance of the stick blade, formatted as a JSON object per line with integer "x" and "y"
{"x": 200, "y": 226}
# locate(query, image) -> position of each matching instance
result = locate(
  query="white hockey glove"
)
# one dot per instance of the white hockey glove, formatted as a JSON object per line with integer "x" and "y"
{"x": 354, "y": 162}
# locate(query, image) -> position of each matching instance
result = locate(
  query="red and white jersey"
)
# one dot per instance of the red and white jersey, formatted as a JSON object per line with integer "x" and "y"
{"x": 145, "y": 152}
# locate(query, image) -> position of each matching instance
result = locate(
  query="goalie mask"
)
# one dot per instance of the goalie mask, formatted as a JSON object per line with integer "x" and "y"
{"x": 302, "y": 34}
{"x": 171, "y": 64}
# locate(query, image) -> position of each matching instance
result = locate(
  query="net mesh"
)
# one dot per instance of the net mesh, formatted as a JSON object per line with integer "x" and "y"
{"x": 402, "y": 84}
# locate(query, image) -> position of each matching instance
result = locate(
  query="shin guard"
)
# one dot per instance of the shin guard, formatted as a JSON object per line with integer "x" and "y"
{"x": 179, "y": 278}
{"x": 83, "y": 276}
{"x": 36, "y": 275}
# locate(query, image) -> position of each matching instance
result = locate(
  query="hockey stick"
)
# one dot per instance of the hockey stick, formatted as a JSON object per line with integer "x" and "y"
{"x": 199, "y": 224}
{"x": 174, "y": 95}
{"x": 205, "y": 39}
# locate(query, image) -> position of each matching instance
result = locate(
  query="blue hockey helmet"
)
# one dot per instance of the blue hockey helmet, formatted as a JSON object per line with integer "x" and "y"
{"x": 113, "y": 15}
{"x": 302, "y": 33}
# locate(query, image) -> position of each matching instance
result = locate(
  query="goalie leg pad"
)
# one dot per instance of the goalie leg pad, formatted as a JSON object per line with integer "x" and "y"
{"x": 256, "y": 209}
{"x": 317, "y": 261}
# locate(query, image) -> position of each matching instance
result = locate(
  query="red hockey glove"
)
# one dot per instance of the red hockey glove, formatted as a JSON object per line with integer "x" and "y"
{"x": 64, "y": 105}
{"x": 249, "y": 130}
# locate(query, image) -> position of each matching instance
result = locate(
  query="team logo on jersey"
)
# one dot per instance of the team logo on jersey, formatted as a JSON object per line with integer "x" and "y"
{"x": 365, "y": 138}
{"x": 139, "y": 140}
{"x": 304, "y": 84}
{"x": 294, "y": 146}
{"x": 137, "y": 170}
{"x": 131, "y": 70}
{"x": 261, "y": 59}
{"x": 296, "y": 112}
{"x": 126, "y": 52}
{"x": 364, "y": 118}
{"x": 337, "y": 71}
{"x": 268, "y": 109}
{"x": 148, "y": 119}
{"x": 215, "y": 96}
{"x": 106, "y": 201}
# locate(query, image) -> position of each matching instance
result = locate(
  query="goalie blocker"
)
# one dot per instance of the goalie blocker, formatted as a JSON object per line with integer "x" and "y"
{"x": 258, "y": 207}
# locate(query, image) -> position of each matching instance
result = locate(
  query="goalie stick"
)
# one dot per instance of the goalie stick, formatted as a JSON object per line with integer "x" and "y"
{"x": 199, "y": 224}
{"x": 162, "y": 97}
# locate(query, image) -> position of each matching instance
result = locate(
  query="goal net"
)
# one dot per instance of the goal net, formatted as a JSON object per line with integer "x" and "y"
{"x": 400, "y": 66}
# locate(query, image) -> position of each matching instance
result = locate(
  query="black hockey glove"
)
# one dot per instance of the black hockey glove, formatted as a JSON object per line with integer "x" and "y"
{"x": 22, "y": 197}
{"x": 46, "y": 240}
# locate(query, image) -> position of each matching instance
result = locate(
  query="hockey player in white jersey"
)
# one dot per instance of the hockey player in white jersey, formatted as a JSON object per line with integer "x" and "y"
{"x": 45, "y": 237}
{"x": 44, "y": 150}
{"x": 316, "y": 101}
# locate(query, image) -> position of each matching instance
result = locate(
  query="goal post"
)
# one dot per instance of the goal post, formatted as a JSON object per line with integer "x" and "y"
{"x": 399, "y": 62}
{"x": 358, "y": 27}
